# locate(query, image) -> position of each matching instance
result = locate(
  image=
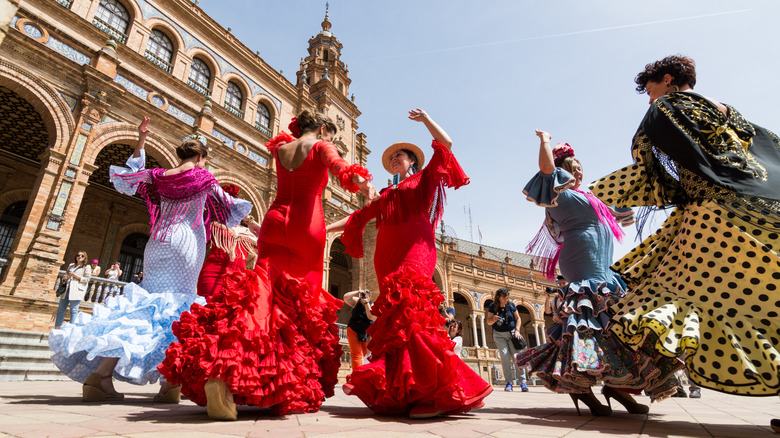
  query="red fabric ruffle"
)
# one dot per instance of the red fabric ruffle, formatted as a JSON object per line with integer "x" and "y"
{"x": 352, "y": 237}
{"x": 257, "y": 339}
{"x": 346, "y": 174}
{"x": 411, "y": 355}
{"x": 281, "y": 139}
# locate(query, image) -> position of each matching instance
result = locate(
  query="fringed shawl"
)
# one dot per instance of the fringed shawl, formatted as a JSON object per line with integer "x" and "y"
{"x": 169, "y": 197}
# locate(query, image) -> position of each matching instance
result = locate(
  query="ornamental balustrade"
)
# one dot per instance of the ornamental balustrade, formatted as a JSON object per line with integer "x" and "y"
{"x": 99, "y": 288}
{"x": 263, "y": 129}
{"x": 197, "y": 87}
{"x": 105, "y": 27}
{"x": 158, "y": 61}
{"x": 65, "y": 3}
{"x": 236, "y": 112}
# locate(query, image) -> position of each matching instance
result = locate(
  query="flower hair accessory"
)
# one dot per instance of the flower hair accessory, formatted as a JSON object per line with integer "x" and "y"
{"x": 562, "y": 150}
{"x": 294, "y": 128}
{"x": 197, "y": 137}
{"x": 231, "y": 189}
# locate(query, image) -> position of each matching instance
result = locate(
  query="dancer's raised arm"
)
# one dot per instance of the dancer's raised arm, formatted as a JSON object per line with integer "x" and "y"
{"x": 546, "y": 161}
{"x": 441, "y": 136}
{"x": 143, "y": 130}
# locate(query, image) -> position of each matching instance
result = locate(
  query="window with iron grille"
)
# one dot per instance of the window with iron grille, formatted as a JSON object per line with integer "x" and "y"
{"x": 9, "y": 224}
{"x": 160, "y": 47}
{"x": 200, "y": 76}
{"x": 234, "y": 99}
{"x": 113, "y": 14}
{"x": 263, "y": 117}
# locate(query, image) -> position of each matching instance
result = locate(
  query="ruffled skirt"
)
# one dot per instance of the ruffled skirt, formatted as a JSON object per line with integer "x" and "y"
{"x": 581, "y": 353}
{"x": 706, "y": 285}
{"x": 411, "y": 355}
{"x": 274, "y": 345}
{"x": 134, "y": 327}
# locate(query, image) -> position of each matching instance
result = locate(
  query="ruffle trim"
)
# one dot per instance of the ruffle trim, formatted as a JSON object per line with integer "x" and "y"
{"x": 352, "y": 237}
{"x": 346, "y": 174}
{"x": 543, "y": 190}
{"x": 411, "y": 355}
{"x": 281, "y": 139}
{"x": 134, "y": 327}
{"x": 454, "y": 176}
{"x": 260, "y": 342}
{"x": 586, "y": 303}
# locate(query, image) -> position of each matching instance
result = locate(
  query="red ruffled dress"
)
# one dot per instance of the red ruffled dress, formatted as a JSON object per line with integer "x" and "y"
{"x": 412, "y": 362}
{"x": 270, "y": 333}
{"x": 229, "y": 249}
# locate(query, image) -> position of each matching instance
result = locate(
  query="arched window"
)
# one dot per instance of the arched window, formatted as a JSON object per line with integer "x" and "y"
{"x": 131, "y": 255}
{"x": 9, "y": 224}
{"x": 112, "y": 18}
{"x": 159, "y": 50}
{"x": 234, "y": 99}
{"x": 263, "y": 119}
{"x": 200, "y": 76}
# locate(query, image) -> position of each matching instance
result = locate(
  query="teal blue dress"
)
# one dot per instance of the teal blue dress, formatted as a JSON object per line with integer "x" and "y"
{"x": 581, "y": 352}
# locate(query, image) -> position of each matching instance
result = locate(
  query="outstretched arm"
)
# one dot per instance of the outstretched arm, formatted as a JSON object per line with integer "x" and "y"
{"x": 546, "y": 162}
{"x": 436, "y": 131}
{"x": 143, "y": 130}
{"x": 338, "y": 226}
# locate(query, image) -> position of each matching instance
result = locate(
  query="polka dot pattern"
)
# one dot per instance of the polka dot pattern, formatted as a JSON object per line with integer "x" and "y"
{"x": 706, "y": 281}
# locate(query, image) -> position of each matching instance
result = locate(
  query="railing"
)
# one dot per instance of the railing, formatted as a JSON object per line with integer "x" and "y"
{"x": 99, "y": 288}
{"x": 237, "y": 112}
{"x": 105, "y": 27}
{"x": 158, "y": 62}
{"x": 65, "y": 3}
{"x": 263, "y": 129}
{"x": 199, "y": 88}
{"x": 3, "y": 264}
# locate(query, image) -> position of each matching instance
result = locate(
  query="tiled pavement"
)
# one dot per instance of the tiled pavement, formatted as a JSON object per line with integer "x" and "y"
{"x": 40, "y": 409}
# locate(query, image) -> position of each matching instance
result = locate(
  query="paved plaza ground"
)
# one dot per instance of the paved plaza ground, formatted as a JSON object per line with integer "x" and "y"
{"x": 41, "y": 409}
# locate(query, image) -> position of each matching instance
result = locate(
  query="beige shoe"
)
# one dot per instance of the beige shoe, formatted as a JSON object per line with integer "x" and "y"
{"x": 172, "y": 396}
{"x": 93, "y": 391}
{"x": 217, "y": 404}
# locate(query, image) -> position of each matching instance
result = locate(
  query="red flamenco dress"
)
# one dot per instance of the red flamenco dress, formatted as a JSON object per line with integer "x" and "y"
{"x": 270, "y": 333}
{"x": 412, "y": 362}
{"x": 230, "y": 248}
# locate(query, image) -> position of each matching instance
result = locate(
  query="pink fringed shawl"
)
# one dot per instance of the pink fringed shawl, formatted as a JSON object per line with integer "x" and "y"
{"x": 545, "y": 247}
{"x": 179, "y": 191}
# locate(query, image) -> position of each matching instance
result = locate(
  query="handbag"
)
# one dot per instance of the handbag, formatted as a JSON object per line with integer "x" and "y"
{"x": 62, "y": 288}
{"x": 519, "y": 344}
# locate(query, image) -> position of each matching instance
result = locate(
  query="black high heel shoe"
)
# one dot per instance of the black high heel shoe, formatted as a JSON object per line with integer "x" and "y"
{"x": 624, "y": 399}
{"x": 775, "y": 424}
{"x": 590, "y": 400}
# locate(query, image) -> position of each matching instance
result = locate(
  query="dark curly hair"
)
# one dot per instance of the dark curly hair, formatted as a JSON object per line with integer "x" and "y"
{"x": 681, "y": 68}
{"x": 311, "y": 122}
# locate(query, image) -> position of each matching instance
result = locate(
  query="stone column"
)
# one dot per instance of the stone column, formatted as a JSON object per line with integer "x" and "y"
{"x": 484, "y": 336}
{"x": 474, "y": 330}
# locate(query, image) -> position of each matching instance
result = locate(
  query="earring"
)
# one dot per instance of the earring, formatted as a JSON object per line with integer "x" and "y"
{"x": 672, "y": 88}
{"x": 319, "y": 136}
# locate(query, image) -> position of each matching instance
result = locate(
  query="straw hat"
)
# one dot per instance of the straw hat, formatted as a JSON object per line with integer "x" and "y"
{"x": 408, "y": 146}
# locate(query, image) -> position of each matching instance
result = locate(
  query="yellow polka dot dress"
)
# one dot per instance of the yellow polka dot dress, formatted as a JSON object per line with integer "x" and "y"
{"x": 706, "y": 281}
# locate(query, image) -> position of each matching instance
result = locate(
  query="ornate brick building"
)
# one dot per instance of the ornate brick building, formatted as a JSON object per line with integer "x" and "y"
{"x": 76, "y": 77}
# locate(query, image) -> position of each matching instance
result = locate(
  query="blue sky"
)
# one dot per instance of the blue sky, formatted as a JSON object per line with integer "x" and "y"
{"x": 491, "y": 72}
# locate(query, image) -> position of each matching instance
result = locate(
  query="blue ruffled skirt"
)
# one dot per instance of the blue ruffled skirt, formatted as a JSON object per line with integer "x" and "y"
{"x": 134, "y": 327}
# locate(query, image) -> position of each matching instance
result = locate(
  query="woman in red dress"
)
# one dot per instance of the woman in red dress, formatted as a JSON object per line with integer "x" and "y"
{"x": 268, "y": 338}
{"x": 413, "y": 369}
{"x": 230, "y": 248}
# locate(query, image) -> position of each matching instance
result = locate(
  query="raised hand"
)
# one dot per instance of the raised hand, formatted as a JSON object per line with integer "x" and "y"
{"x": 418, "y": 115}
{"x": 544, "y": 136}
{"x": 143, "y": 128}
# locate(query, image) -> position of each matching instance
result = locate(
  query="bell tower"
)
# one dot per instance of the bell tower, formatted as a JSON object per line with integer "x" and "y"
{"x": 324, "y": 61}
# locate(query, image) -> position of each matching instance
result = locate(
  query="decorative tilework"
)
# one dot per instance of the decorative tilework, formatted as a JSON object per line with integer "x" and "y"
{"x": 75, "y": 159}
{"x": 70, "y": 173}
{"x": 67, "y": 50}
{"x": 132, "y": 87}
{"x": 538, "y": 308}
{"x": 14, "y": 20}
{"x": 53, "y": 225}
{"x": 86, "y": 126}
{"x": 150, "y": 11}
{"x": 71, "y": 102}
{"x": 335, "y": 201}
{"x": 32, "y": 30}
{"x": 240, "y": 148}
{"x": 179, "y": 114}
{"x": 107, "y": 119}
{"x": 62, "y": 198}
{"x": 223, "y": 138}
{"x": 158, "y": 101}
{"x": 254, "y": 156}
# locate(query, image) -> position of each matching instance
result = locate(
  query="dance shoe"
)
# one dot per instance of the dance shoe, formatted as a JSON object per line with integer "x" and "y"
{"x": 93, "y": 391}
{"x": 624, "y": 399}
{"x": 218, "y": 406}
{"x": 590, "y": 400}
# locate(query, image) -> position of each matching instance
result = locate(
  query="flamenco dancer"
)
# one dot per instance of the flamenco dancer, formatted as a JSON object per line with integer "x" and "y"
{"x": 578, "y": 235}
{"x": 126, "y": 339}
{"x": 705, "y": 283}
{"x": 230, "y": 248}
{"x": 268, "y": 338}
{"x": 413, "y": 369}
